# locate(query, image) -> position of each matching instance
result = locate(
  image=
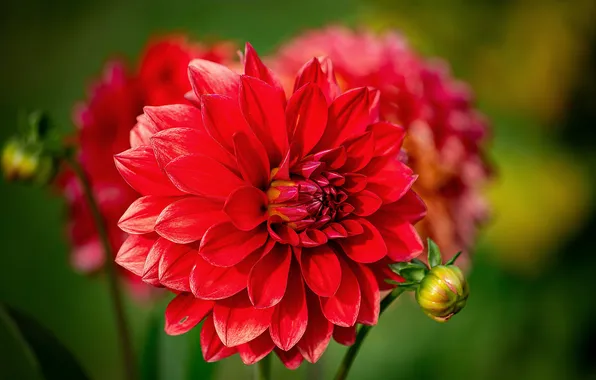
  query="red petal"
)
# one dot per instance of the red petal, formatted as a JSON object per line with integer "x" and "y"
{"x": 141, "y": 133}
{"x": 290, "y": 318}
{"x": 383, "y": 272}
{"x": 141, "y": 215}
{"x": 187, "y": 219}
{"x": 151, "y": 269}
{"x": 211, "y": 346}
{"x": 173, "y": 143}
{"x": 202, "y": 175}
{"x": 318, "y": 332}
{"x": 344, "y": 335}
{"x": 140, "y": 170}
{"x": 306, "y": 117}
{"x": 175, "y": 263}
{"x": 349, "y": 115}
{"x": 246, "y": 207}
{"x": 388, "y": 138}
{"x": 312, "y": 238}
{"x": 320, "y": 72}
{"x": 256, "y": 349}
{"x": 371, "y": 297}
{"x": 389, "y": 178}
{"x": 342, "y": 308}
{"x": 410, "y": 208}
{"x": 134, "y": 251}
{"x": 402, "y": 239}
{"x": 334, "y": 158}
{"x": 321, "y": 269}
{"x": 223, "y": 118}
{"x": 366, "y": 247}
{"x": 291, "y": 359}
{"x": 174, "y": 116}
{"x": 254, "y": 67}
{"x": 264, "y": 111}
{"x": 252, "y": 160}
{"x": 214, "y": 283}
{"x": 268, "y": 278}
{"x": 365, "y": 203}
{"x": 224, "y": 245}
{"x": 184, "y": 312}
{"x": 208, "y": 77}
{"x": 281, "y": 232}
{"x": 238, "y": 322}
{"x": 354, "y": 182}
{"x": 359, "y": 151}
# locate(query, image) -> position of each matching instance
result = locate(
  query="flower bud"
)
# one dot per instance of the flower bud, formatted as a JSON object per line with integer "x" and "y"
{"x": 443, "y": 292}
{"x": 21, "y": 162}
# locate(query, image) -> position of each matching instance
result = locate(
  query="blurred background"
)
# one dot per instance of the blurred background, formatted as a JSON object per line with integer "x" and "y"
{"x": 532, "y": 310}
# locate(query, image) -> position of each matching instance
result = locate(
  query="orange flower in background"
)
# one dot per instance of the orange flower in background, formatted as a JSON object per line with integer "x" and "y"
{"x": 444, "y": 131}
{"x": 103, "y": 125}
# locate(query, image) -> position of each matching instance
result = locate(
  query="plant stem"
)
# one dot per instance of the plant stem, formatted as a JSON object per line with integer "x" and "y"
{"x": 348, "y": 360}
{"x": 110, "y": 268}
{"x": 263, "y": 368}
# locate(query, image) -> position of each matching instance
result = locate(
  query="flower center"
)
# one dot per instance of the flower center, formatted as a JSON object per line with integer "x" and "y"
{"x": 308, "y": 202}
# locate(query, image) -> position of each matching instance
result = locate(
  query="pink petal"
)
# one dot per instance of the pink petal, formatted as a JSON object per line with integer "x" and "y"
{"x": 254, "y": 67}
{"x": 306, "y": 117}
{"x": 214, "y": 283}
{"x": 134, "y": 251}
{"x": 187, "y": 219}
{"x": 252, "y": 160}
{"x": 342, "y": 308}
{"x": 268, "y": 278}
{"x": 345, "y": 335}
{"x": 371, "y": 297}
{"x": 237, "y": 321}
{"x": 256, "y": 349}
{"x": 365, "y": 203}
{"x": 291, "y": 359}
{"x": 223, "y": 118}
{"x": 290, "y": 318}
{"x": 318, "y": 332}
{"x": 321, "y": 269}
{"x": 388, "y": 138}
{"x": 140, "y": 170}
{"x": 142, "y": 214}
{"x": 366, "y": 247}
{"x": 202, "y": 175}
{"x": 264, "y": 111}
{"x": 320, "y": 72}
{"x": 224, "y": 245}
{"x": 173, "y": 143}
{"x": 212, "y": 347}
{"x": 184, "y": 312}
{"x": 208, "y": 77}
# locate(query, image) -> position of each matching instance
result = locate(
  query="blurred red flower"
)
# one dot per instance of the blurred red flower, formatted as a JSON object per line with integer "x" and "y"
{"x": 273, "y": 218}
{"x": 444, "y": 132}
{"x": 104, "y": 122}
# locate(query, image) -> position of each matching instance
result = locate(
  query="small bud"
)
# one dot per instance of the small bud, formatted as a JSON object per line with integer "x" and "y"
{"x": 24, "y": 162}
{"x": 443, "y": 292}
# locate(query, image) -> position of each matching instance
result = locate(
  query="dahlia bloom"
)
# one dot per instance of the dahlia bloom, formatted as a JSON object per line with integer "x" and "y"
{"x": 444, "y": 131}
{"x": 104, "y": 123}
{"x": 272, "y": 218}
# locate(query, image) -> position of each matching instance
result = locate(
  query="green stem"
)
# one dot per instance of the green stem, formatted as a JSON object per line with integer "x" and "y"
{"x": 110, "y": 268}
{"x": 263, "y": 368}
{"x": 348, "y": 360}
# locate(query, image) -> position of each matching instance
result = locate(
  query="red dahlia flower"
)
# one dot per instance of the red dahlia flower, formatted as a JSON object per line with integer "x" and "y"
{"x": 273, "y": 219}
{"x": 104, "y": 123}
{"x": 444, "y": 131}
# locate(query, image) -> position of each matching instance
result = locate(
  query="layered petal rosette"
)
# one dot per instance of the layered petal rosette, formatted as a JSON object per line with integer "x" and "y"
{"x": 272, "y": 218}
{"x": 445, "y": 133}
{"x": 104, "y": 122}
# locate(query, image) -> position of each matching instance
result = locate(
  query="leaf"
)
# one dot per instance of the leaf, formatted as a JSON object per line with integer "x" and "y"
{"x": 452, "y": 260}
{"x": 53, "y": 359}
{"x": 411, "y": 271}
{"x": 18, "y": 360}
{"x": 434, "y": 254}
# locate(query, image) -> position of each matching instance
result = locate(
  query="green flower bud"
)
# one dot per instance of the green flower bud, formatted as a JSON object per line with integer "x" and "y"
{"x": 24, "y": 162}
{"x": 443, "y": 292}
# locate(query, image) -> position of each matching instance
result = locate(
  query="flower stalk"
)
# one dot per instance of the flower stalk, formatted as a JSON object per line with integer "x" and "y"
{"x": 110, "y": 268}
{"x": 263, "y": 369}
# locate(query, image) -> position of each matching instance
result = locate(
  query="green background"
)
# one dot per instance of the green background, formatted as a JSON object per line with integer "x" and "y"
{"x": 532, "y": 307}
